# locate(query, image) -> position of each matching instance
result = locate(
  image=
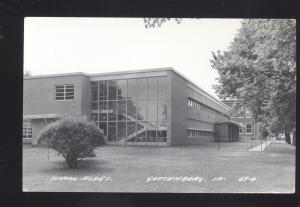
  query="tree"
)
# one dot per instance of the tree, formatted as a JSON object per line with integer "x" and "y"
{"x": 157, "y": 22}
{"x": 263, "y": 132}
{"x": 259, "y": 69}
{"x": 27, "y": 73}
{"x": 72, "y": 137}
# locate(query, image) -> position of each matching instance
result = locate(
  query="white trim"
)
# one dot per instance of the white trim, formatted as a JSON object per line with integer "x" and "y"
{"x": 126, "y": 75}
{"x": 55, "y": 75}
{"x": 41, "y": 116}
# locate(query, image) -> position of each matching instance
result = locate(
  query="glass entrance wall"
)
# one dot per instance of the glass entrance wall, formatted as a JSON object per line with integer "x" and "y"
{"x": 131, "y": 111}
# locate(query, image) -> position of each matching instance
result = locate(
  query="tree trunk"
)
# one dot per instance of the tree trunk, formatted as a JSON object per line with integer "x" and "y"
{"x": 294, "y": 138}
{"x": 72, "y": 161}
{"x": 287, "y": 136}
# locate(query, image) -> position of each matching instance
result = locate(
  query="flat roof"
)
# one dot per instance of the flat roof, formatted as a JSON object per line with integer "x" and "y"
{"x": 130, "y": 72}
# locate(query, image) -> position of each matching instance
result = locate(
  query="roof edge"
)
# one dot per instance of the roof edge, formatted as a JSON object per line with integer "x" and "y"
{"x": 55, "y": 75}
{"x": 130, "y": 72}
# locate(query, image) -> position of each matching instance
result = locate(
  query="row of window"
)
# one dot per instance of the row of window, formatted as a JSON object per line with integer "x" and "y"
{"x": 201, "y": 107}
{"x": 204, "y": 100}
{"x": 201, "y": 125}
{"x": 141, "y": 131}
{"x": 149, "y": 109}
{"x": 248, "y": 129}
{"x": 240, "y": 113}
{"x": 199, "y": 133}
{"x": 136, "y": 88}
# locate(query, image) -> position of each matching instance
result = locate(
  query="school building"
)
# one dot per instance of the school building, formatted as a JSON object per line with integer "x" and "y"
{"x": 248, "y": 127}
{"x": 145, "y": 107}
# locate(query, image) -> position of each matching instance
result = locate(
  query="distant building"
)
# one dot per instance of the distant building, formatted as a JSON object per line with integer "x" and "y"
{"x": 248, "y": 127}
{"x": 146, "y": 107}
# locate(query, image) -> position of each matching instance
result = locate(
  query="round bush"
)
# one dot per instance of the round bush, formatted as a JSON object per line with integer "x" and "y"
{"x": 72, "y": 137}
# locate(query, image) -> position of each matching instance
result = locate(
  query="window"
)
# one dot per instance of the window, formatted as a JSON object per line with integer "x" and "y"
{"x": 112, "y": 90}
{"x": 163, "y": 90}
{"x": 102, "y": 90}
{"x": 240, "y": 112}
{"x": 112, "y": 110}
{"x": 94, "y": 91}
{"x": 142, "y": 110}
{"x": 249, "y": 129}
{"x": 131, "y": 110}
{"x": 122, "y": 90}
{"x": 152, "y": 110}
{"x": 162, "y": 109}
{"x": 241, "y": 130}
{"x": 199, "y": 133}
{"x": 112, "y": 131}
{"x": 142, "y": 88}
{"x": 152, "y": 87}
{"x": 27, "y": 129}
{"x": 132, "y": 89}
{"x": 64, "y": 92}
{"x": 248, "y": 113}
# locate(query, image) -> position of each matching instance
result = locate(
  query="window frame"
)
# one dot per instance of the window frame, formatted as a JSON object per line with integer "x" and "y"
{"x": 65, "y": 93}
{"x": 248, "y": 113}
{"x": 27, "y": 127}
{"x": 241, "y": 130}
{"x": 250, "y": 129}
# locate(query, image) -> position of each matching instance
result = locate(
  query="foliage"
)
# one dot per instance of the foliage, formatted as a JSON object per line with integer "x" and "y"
{"x": 153, "y": 22}
{"x": 72, "y": 137}
{"x": 263, "y": 132}
{"x": 27, "y": 73}
{"x": 259, "y": 69}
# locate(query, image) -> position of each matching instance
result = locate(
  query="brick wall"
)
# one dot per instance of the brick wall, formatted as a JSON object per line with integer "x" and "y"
{"x": 39, "y": 95}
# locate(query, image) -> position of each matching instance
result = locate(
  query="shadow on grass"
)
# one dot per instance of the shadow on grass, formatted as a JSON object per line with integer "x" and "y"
{"x": 85, "y": 166}
{"x": 283, "y": 149}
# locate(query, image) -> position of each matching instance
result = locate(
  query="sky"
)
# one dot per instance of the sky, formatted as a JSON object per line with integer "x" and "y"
{"x": 55, "y": 45}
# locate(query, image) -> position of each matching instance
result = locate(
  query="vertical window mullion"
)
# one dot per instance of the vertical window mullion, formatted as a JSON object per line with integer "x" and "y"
{"x": 126, "y": 111}
{"x": 107, "y": 109}
{"x": 65, "y": 92}
{"x": 156, "y": 111}
{"x": 147, "y": 112}
{"x": 136, "y": 111}
{"x": 117, "y": 113}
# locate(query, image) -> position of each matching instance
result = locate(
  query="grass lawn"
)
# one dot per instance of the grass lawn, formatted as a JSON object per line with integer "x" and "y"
{"x": 128, "y": 168}
{"x": 243, "y": 145}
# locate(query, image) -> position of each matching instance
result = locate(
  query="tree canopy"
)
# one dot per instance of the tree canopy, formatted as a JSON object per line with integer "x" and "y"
{"x": 157, "y": 22}
{"x": 259, "y": 69}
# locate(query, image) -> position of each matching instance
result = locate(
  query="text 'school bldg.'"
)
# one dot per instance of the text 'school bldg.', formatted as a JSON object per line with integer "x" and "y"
{"x": 145, "y": 107}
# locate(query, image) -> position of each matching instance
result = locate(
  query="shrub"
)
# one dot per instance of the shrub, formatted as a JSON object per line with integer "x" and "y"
{"x": 72, "y": 137}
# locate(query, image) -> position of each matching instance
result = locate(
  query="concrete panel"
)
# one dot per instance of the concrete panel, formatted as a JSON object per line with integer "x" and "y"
{"x": 178, "y": 109}
{"x": 199, "y": 140}
{"x": 85, "y": 96}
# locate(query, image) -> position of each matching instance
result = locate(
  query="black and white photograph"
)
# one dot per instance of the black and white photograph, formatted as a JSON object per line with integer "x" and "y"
{"x": 159, "y": 105}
